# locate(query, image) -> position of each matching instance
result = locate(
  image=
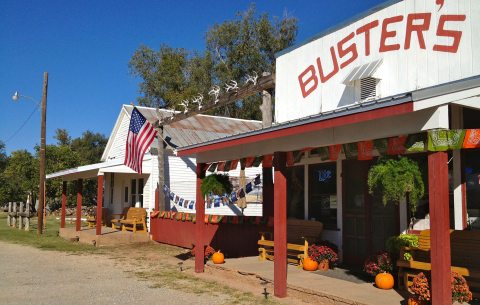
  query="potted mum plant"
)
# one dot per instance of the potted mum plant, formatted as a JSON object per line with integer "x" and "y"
{"x": 421, "y": 289}
{"x": 380, "y": 266}
{"x": 324, "y": 255}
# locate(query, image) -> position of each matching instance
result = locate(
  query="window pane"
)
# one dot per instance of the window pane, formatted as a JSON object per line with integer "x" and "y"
{"x": 134, "y": 186}
{"x": 322, "y": 194}
{"x": 295, "y": 192}
{"x": 140, "y": 186}
{"x": 472, "y": 183}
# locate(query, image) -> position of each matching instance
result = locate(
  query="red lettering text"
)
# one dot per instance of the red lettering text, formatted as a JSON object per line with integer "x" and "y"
{"x": 323, "y": 77}
{"x": 389, "y": 34}
{"x": 366, "y": 29}
{"x": 303, "y": 83}
{"x": 456, "y": 35}
{"x": 419, "y": 28}
{"x": 352, "y": 49}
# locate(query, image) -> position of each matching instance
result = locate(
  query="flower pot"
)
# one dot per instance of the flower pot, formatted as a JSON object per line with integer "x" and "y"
{"x": 323, "y": 265}
{"x": 415, "y": 301}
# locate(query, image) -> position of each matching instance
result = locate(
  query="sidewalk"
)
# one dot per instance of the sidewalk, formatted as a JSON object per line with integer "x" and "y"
{"x": 334, "y": 290}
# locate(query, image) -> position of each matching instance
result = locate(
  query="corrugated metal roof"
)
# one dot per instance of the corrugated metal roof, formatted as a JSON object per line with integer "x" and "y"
{"x": 199, "y": 128}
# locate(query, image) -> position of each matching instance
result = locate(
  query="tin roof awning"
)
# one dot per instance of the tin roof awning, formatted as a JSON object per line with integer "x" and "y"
{"x": 93, "y": 170}
{"x": 362, "y": 71}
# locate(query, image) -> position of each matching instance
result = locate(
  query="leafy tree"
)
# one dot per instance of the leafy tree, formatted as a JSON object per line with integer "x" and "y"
{"x": 170, "y": 75}
{"x": 20, "y": 176}
{"x": 89, "y": 147}
{"x": 248, "y": 44}
{"x": 234, "y": 49}
{"x": 62, "y": 136}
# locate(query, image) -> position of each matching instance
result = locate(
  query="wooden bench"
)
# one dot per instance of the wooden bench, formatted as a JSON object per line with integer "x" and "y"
{"x": 92, "y": 219}
{"x": 299, "y": 234}
{"x": 131, "y": 219}
{"x": 465, "y": 258}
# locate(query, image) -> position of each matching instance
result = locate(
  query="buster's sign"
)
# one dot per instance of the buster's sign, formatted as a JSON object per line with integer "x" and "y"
{"x": 414, "y": 25}
{"x": 420, "y": 43}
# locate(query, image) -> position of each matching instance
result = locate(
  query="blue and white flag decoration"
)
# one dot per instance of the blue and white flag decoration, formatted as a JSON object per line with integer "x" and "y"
{"x": 213, "y": 201}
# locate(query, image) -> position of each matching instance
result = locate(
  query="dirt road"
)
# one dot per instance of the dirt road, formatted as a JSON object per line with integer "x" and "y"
{"x": 32, "y": 276}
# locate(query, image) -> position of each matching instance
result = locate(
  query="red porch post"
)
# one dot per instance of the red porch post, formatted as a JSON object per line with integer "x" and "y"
{"x": 267, "y": 186}
{"x": 64, "y": 204}
{"x": 78, "y": 222}
{"x": 199, "y": 225}
{"x": 280, "y": 226}
{"x": 440, "y": 228}
{"x": 99, "y": 204}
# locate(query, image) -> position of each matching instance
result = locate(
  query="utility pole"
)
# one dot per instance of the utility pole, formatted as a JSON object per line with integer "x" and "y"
{"x": 41, "y": 193}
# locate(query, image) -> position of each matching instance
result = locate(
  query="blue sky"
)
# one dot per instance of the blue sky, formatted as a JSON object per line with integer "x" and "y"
{"x": 86, "y": 45}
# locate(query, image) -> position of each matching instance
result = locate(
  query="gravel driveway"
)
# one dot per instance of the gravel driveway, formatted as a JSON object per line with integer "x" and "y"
{"x": 32, "y": 276}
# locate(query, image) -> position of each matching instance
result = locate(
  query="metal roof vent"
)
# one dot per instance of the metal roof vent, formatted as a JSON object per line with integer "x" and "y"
{"x": 368, "y": 88}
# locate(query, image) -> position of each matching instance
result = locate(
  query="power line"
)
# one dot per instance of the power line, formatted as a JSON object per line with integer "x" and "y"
{"x": 23, "y": 124}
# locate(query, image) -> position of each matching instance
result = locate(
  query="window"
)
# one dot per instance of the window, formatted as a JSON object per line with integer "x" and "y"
{"x": 133, "y": 194}
{"x": 112, "y": 184}
{"x": 295, "y": 192}
{"x": 368, "y": 88}
{"x": 137, "y": 193}
{"x": 126, "y": 194}
{"x": 472, "y": 184}
{"x": 140, "y": 192}
{"x": 322, "y": 194}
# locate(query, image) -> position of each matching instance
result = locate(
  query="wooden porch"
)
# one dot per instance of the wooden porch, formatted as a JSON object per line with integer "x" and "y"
{"x": 108, "y": 237}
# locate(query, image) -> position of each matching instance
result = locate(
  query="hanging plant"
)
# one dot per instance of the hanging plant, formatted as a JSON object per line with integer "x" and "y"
{"x": 217, "y": 184}
{"x": 396, "y": 179}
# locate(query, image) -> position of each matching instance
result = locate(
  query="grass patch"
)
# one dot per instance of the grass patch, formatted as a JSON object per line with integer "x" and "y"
{"x": 49, "y": 240}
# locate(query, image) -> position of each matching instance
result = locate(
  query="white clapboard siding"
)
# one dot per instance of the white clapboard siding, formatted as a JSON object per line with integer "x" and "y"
{"x": 401, "y": 71}
{"x": 117, "y": 149}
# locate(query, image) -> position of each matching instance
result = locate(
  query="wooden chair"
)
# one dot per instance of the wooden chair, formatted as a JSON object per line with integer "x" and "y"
{"x": 115, "y": 221}
{"x": 134, "y": 218}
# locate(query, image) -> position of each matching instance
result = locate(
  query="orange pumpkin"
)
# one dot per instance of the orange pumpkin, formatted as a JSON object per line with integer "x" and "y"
{"x": 218, "y": 257}
{"x": 309, "y": 264}
{"x": 384, "y": 281}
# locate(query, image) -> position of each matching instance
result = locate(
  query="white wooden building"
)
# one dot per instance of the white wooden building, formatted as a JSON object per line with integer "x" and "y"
{"x": 125, "y": 188}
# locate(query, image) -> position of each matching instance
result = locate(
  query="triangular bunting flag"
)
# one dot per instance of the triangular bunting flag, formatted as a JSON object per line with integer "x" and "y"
{"x": 290, "y": 159}
{"x": 221, "y": 167}
{"x": 381, "y": 146}
{"x": 442, "y": 140}
{"x": 248, "y": 187}
{"x": 234, "y": 165}
{"x": 212, "y": 167}
{"x": 365, "y": 150}
{"x": 249, "y": 161}
{"x": 416, "y": 142}
{"x": 350, "y": 150}
{"x": 334, "y": 152}
{"x": 472, "y": 138}
{"x": 257, "y": 180}
{"x": 227, "y": 166}
{"x": 257, "y": 161}
{"x": 396, "y": 145}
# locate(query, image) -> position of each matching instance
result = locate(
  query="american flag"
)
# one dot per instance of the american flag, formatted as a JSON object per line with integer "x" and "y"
{"x": 140, "y": 137}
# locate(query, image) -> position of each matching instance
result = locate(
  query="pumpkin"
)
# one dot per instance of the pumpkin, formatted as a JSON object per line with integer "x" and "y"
{"x": 309, "y": 264}
{"x": 384, "y": 281}
{"x": 218, "y": 257}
